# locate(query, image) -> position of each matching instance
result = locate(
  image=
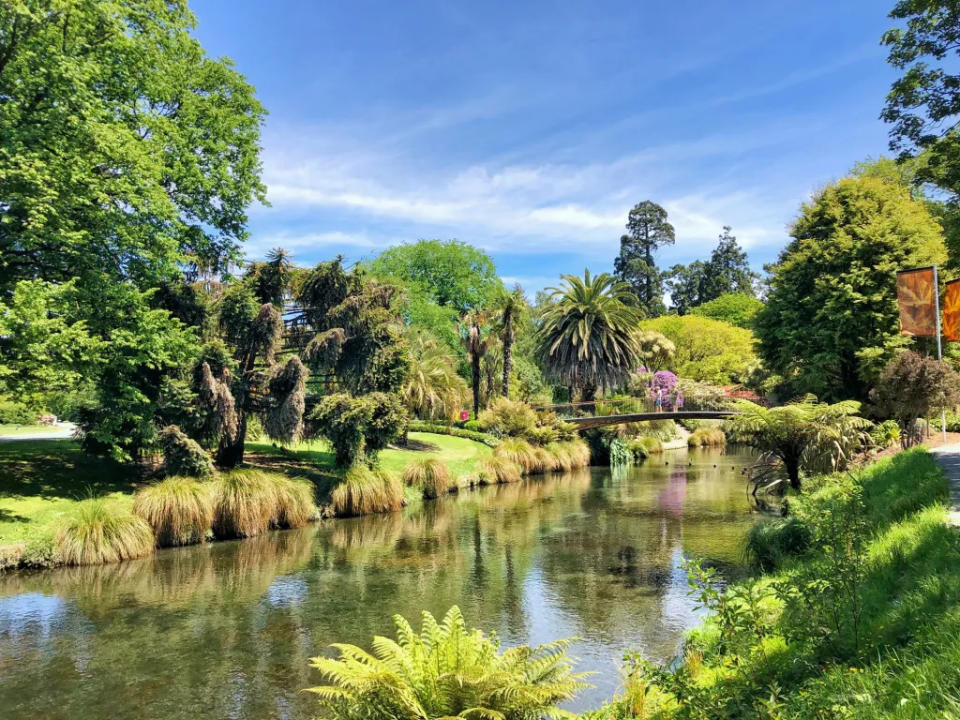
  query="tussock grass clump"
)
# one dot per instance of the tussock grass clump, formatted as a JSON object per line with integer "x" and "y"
{"x": 645, "y": 446}
{"x": 364, "y": 491}
{"x": 179, "y": 509}
{"x": 498, "y": 470}
{"x": 560, "y": 458}
{"x": 431, "y": 475}
{"x": 579, "y": 452}
{"x": 544, "y": 461}
{"x": 96, "y": 531}
{"x": 295, "y": 506}
{"x": 707, "y": 437}
{"x": 244, "y": 503}
{"x": 519, "y": 452}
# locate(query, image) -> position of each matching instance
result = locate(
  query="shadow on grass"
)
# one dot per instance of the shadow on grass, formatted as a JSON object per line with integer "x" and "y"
{"x": 59, "y": 468}
{"x": 314, "y": 465}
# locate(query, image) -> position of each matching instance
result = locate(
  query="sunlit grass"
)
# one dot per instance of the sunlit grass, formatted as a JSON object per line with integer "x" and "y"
{"x": 98, "y": 531}
{"x": 364, "y": 492}
{"x": 179, "y": 509}
{"x": 430, "y": 475}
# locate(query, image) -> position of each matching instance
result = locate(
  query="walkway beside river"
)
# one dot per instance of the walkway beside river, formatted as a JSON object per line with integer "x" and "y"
{"x": 948, "y": 457}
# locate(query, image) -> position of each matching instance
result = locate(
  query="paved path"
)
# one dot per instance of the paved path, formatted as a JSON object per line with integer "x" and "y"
{"x": 948, "y": 456}
{"x": 61, "y": 431}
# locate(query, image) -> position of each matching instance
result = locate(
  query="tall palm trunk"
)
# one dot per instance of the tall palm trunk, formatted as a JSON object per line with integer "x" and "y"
{"x": 507, "y": 349}
{"x": 475, "y": 361}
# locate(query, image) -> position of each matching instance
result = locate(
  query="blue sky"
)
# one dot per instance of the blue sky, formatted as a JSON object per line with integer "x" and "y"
{"x": 531, "y": 128}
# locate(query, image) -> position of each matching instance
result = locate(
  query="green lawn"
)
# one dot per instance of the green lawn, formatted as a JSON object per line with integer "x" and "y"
{"x": 40, "y": 480}
{"x": 15, "y": 430}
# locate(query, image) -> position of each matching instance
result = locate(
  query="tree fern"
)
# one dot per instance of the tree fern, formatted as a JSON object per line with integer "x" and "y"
{"x": 446, "y": 671}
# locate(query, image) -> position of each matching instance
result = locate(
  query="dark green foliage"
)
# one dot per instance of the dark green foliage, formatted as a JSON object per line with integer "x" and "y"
{"x": 183, "y": 456}
{"x": 770, "y": 543}
{"x": 727, "y": 271}
{"x": 283, "y": 419}
{"x": 359, "y": 427}
{"x": 14, "y": 413}
{"x": 647, "y": 230}
{"x": 912, "y": 387}
{"x": 830, "y": 321}
{"x": 270, "y": 280}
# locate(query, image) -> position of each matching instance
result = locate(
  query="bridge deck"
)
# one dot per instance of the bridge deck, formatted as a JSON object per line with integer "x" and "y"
{"x": 602, "y": 420}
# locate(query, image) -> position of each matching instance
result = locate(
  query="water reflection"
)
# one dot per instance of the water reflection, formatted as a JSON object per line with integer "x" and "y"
{"x": 226, "y": 630}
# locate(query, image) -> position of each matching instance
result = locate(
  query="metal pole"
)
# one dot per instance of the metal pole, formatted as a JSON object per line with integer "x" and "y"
{"x": 936, "y": 290}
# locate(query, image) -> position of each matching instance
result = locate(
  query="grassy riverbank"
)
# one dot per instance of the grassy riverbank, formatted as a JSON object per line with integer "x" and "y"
{"x": 42, "y": 481}
{"x": 857, "y": 616}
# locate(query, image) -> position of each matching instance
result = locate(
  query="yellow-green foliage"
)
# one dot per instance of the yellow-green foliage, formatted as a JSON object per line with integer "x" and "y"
{"x": 442, "y": 670}
{"x": 179, "y": 509}
{"x": 244, "y": 503}
{"x": 706, "y": 350}
{"x": 498, "y": 470}
{"x": 560, "y": 458}
{"x": 645, "y": 446}
{"x": 544, "y": 460}
{"x": 364, "y": 491}
{"x": 519, "y": 452}
{"x": 97, "y": 531}
{"x": 707, "y": 437}
{"x": 507, "y": 418}
{"x": 295, "y": 506}
{"x": 430, "y": 475}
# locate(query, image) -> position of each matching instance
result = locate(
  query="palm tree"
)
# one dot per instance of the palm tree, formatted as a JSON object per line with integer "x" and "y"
{"x": 433, "y": 390}
{"x": 807, "y": 436}
{"x": 447, "y": 671}
{"x": 474, "y": 330}
{"x": 512, "y": 303}
{"x": 588, "y": 332}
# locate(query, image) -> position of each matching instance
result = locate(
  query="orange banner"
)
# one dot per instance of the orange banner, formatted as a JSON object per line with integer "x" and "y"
{"x": 918, "y": 304}
{"x": 951, "y": 311}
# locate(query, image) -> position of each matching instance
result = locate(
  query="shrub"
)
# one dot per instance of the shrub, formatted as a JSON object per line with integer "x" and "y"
{"x": 244, "y": 503}
{"x": 768, "y": 544}
{"x": 364, "y": 491}
{"x": 707, "y": 437}
{"x": 542, "y": 435}
{"x": 14, "y": 413}
{"x": 431, "y": 475}
{"x": 183, "y": 456}
{"x": 620, "y": 453}
{"x": 359, "y": 427}
{"x": 472, "y": 426}
{"x": 886, "y": 434}
{"x": 645, "y": 446}
{"x": 498, "y": 470}
{"x": 97, "y": 532}
{"x": 443, "y": 671}
{"x": 453, "y": 431}
{"x": 559, "y": 456}
{"x": 295, "y": 505}
{"x": 506, "y": 418}
{"x": 179, "y": 509}
{"x": 519, "y": 452}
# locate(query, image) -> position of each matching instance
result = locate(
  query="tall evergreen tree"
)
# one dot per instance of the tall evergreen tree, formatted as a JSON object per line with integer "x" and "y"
{"x": 647, "y": 230}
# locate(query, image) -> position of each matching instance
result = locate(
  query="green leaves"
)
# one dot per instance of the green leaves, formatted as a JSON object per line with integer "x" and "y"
{"x": 446, "y": 671}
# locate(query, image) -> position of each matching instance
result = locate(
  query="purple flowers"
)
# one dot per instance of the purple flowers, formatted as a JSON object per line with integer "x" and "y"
{"x": 665, "y": 380}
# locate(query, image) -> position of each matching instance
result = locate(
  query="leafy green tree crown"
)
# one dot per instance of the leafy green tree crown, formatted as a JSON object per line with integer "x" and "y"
{"x": 647, "y": 230}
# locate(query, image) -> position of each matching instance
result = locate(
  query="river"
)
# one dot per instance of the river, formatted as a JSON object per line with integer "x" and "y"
{"x": 226, "y": 630}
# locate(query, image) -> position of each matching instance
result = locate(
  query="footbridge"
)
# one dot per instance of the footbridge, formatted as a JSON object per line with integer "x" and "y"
{"x": 616, "y": 411}
{"x": 601, "y": 420}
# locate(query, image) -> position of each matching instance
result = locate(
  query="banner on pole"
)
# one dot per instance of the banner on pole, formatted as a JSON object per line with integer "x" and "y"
{"x": 916, "y": 296}
{"x": 951, "y": 311}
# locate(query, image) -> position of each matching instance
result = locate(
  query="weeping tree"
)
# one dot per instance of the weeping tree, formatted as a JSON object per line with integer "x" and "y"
{"x": 587, "y": 333}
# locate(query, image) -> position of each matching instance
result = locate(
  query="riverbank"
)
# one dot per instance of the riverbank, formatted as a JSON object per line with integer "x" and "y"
{"x": 42, "y": 481}
{"x": 855, "y": 616}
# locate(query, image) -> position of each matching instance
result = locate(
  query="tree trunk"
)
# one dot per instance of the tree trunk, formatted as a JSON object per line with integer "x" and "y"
{"x": 792, "y": 466}
{"x": 475, "y": 361}
{"x": 230, "y": 453}
{"x": 507, "y": 350}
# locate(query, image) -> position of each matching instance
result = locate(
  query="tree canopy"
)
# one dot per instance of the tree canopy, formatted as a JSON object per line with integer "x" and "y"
{"x": 735, "y": 308}
{"x": 647, "y": 230}
{"x": 830, "y": 320}
{"x": 706, "y": 350}
{"x": 727, "y": 271}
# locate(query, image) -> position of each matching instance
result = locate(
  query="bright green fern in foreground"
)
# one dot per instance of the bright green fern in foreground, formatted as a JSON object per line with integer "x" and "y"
{"x": 447, "y": 671}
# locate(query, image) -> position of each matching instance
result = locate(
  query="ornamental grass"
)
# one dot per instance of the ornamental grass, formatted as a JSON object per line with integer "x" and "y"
{"x": 431, "y": 475}
{"x": 364, "y": 491}
{"x": 498, "y": 470}
{"x": 179, "y": 509}
{"x": 97, "y": 531}
{"x": 244, "y": 503}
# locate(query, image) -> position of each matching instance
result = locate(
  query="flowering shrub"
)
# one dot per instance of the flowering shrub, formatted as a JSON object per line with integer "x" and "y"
{"x": 665, "y": 380}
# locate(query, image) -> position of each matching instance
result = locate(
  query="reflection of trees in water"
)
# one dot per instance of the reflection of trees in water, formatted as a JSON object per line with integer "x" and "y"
{"x": 226, "y": 629}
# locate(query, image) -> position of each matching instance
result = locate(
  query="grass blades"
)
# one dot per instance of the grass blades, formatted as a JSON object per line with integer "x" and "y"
{"x": 98, "y": 532}
{"x": 179, "y": 509}
{"x": 364, "y": 491}
{"x": 497, "y": 471}
{"x": 431, "y": 475}
{"x": 244, "y": 503}
{"x": 519, "y": 452}
{"x": 295, "y": 505}
{"x": 707, "y": 437}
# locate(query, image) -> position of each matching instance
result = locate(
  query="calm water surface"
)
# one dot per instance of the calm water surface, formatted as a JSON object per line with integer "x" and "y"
{"x": 226, "y": 630}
